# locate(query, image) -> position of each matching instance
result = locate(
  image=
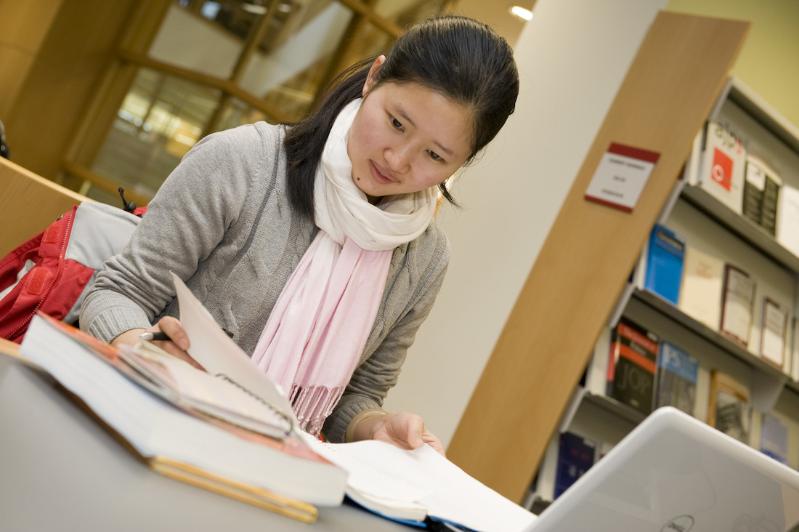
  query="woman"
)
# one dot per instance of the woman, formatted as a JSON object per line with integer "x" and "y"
{"x": 314, "y": 245}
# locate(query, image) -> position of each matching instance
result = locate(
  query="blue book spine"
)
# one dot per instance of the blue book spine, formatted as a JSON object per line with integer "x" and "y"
{"x": 774, "y": 438}
{"x": 676, "y": 379}
{"x": 575, "y": 456}
{"x": 664, "y": 263}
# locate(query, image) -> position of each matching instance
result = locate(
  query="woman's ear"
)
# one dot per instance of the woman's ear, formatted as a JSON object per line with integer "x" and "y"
{"x": 371, "y": 77}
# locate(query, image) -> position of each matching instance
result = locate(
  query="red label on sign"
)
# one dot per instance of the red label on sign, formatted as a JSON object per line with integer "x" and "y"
{"x": 721, "y": 171}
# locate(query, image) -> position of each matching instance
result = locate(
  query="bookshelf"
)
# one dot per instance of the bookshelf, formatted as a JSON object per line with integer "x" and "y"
{"x": 707, "y": 223}
{"x": 614, "y": 407}
{"x": 583, "y": 264}
{"x": 745, "y": 229}
{"x": 711, "y": 335}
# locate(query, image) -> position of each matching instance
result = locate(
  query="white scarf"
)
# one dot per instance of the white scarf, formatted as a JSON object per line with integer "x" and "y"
{"x": 316, "y": 333}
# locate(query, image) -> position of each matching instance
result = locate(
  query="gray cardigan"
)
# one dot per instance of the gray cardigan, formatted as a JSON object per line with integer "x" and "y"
{"x": 222, "y": 222}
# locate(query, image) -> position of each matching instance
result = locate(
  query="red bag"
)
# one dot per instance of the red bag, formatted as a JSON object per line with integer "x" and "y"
{"x": 50, "y": 272}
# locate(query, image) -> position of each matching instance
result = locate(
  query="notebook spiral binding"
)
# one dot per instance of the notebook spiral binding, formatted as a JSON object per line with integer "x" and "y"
{"x": 280, "y": 414}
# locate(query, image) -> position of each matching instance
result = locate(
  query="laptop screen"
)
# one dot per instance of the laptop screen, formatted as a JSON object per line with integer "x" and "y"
{"x": 676, "y": 474}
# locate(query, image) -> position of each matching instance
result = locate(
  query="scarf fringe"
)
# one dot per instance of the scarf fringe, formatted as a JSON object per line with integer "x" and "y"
{"x": 312, "y": 405}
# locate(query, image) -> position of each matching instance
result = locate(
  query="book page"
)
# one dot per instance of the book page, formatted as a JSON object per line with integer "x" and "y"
{"x": 424, "y": 476}
{"x": 204, "y": 391}
{"x": 220, "y": 355}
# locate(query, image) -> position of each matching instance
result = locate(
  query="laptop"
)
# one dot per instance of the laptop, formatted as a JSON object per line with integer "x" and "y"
{"x": 673, "y": 473}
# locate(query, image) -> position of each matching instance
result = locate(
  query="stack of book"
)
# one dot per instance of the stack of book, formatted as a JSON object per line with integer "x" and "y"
{"x": 229, "y": 429}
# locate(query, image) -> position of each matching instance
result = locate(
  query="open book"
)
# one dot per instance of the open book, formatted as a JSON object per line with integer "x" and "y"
{"x": 410, "y": 486}
{"x": 204, "y": 393}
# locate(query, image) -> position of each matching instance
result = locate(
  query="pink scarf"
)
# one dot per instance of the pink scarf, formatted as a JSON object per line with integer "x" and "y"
{"x": 317, "y": 331}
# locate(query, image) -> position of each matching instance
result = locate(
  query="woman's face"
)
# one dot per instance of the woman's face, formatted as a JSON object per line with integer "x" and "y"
{"x": 406, "y": 138}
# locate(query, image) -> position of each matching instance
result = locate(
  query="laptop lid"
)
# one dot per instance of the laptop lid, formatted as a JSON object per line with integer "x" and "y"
{"x": 674, "y": 473}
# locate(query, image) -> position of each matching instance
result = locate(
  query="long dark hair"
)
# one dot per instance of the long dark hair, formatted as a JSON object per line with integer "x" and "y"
{"x": 456, "y": 56}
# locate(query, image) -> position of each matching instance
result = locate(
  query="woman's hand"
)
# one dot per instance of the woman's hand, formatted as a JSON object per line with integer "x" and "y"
{"x": 177, "y": 345}
{"x": 403, "y": 429}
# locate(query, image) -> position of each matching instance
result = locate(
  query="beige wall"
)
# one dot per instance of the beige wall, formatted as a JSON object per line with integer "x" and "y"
{"x": 769, "y": 60}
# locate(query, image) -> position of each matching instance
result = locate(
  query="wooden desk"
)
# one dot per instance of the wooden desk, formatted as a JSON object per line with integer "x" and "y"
{"x": 60, "y": 471}
{"x": 28, "y": 204}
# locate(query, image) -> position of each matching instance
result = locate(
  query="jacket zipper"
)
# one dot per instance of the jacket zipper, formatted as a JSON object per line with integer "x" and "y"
{"x": 61, "y": 253}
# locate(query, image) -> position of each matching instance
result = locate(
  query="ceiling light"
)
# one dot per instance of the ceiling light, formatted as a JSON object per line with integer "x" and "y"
{"x": 521, "y": 12}
{"x": 255, "y": 9}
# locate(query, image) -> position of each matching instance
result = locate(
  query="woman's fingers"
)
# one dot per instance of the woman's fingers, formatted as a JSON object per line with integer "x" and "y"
{"x": 177, "y": 352}
{"x": 433, "y": 441}
{"x": 174, "y": 329}
{"x": 413, "y": 431}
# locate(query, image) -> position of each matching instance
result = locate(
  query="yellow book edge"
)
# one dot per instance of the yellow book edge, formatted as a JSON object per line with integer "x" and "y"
{"x": 260, "y": 497}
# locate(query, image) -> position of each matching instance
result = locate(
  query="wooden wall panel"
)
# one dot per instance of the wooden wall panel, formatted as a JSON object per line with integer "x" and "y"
{"x": 67, "y": 69}
{"x": 668, "y": 91}
{"x": 23, "y": 28}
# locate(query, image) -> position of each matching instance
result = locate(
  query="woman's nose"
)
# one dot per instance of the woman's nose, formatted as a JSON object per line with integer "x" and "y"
{"x": 398, "y": 158}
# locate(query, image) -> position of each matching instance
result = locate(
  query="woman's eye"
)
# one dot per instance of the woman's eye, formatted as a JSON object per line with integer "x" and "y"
{"x": 435, "y": 156}
{"x": 396, "y": 123}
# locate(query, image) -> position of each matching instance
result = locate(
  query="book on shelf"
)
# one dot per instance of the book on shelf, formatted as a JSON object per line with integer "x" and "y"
{"x": 568, "y": 456}
{"x": 631, "y": 365}
{"x": 729, "y": 406}
{"x": 576, "y": 455}
{"x": 761, "y": 194}
{"x": 772, "y": 333}
{"x": 665, "y": 252}
{"x": 774, "y": 437}
{"x": 722, "y": 167}
{"x": 754, "y": 190}
{"x": 702, "y": 283}
{"x": 738, "y": 300}
{"x": 788, "y": 219}
{"x": 677, "y": 375}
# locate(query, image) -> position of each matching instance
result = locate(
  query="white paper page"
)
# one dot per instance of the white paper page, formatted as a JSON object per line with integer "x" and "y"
{"x": 197, "y": 386}
{"x": 218, "y": 354}
{"x": 424, "y": 476}
{"x": 378, "y": 469}
{"x": 463, "y": 499}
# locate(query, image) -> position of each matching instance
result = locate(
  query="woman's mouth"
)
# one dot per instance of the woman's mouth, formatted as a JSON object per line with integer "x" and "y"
{"x": 378, "y": 175}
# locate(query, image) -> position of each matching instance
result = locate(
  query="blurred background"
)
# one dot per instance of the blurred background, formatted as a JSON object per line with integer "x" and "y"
{"x": 95, "y": 94}
{"x": 102, "y": 94}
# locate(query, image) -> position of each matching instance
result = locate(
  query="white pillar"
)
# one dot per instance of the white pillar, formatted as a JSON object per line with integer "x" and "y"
{"x": 572, "y": 58}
